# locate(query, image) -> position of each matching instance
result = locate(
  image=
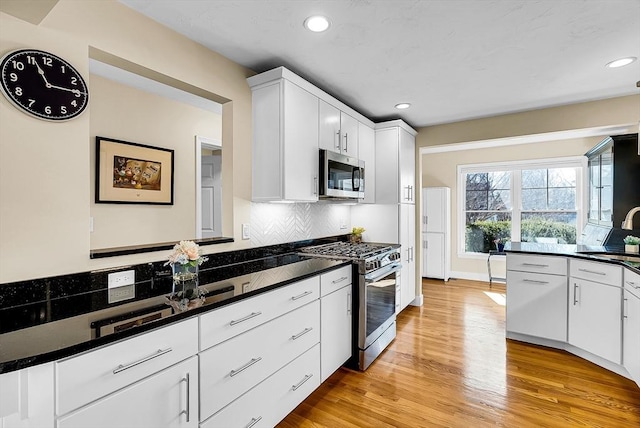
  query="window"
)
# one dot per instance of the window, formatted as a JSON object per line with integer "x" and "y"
{"x": 529, "y": 201}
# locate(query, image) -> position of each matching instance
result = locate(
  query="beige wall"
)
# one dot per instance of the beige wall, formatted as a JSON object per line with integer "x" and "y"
{"x": 45, "y": 178}
{"x": 125, "y": 113}
{"x": 440, "y": 169}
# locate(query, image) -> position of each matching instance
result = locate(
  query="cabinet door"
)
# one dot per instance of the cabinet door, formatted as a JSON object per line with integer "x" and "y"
{"x": 367, "y": 153}
{"x": 631, "y": 338}
{"x": 434, "y": 209}
{"x": 349, "y": 135}
{"x": 594, "y": 318}
{"x": 594, "y": 189}
{"x": 537, "y": 305}
{"x": 606, "y": 188}
{"x": 407, "y": 167}
{"x": 407, "y": 242}
{"x": 166, "y": 399}
{"x": 387, "y": 174}
{"x": 26, "y": 397}
{"x": 300, "y": 144}
{"x": 433, "y": 255}
{"x": 335, "y": 331}
{"x": 329, "y": 131}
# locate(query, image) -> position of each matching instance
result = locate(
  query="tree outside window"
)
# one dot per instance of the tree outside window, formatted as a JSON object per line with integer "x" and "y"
{"x": 540, "y": 203}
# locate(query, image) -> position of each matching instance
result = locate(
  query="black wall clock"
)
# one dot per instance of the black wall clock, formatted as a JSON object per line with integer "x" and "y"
{"x": 43, "y": 85}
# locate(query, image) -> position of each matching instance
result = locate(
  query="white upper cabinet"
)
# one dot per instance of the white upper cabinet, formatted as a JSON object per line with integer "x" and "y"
{"x": 292, "y": 119}
{"x": 367, "y": 153}
{"x": 395, "y": 163}
{"x": 285, "y": 143}
{"x": 338, "y": 130}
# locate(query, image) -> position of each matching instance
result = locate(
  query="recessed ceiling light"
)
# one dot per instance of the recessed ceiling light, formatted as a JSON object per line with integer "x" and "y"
{"x": 316, "y": 23}
{"x": 403, "y": 106}
{"x": 621, "y": 62}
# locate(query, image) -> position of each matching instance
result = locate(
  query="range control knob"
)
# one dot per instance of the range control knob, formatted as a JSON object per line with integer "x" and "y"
{"x": 372, "y": 265}
{"x": 394, "y": 256}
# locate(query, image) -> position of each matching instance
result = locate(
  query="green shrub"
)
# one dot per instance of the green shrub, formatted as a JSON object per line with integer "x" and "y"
{"x": 480, "y": 235}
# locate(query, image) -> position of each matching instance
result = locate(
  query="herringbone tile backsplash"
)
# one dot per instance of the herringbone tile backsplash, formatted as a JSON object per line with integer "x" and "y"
{"x": 279, "y": 223}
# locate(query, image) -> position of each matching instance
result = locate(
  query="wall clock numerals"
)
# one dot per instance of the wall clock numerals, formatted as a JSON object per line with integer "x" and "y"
{"x": 43, "y": 85}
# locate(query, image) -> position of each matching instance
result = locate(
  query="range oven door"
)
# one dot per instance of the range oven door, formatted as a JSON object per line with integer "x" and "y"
{"x": 377, "y": 306}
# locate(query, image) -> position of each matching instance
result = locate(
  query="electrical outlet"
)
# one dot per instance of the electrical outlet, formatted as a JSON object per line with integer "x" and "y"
{"x": 343, "y": 224}
{"x": 246, "y": 234}
{"x": 121, "y": 279}
{"x": 119, "y": 294}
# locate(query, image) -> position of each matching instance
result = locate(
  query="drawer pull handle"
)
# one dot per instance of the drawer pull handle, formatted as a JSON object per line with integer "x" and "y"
{"x": 633, "y": 284}
{"x": 624, "y": 309}
{"x": 302, "y": 333}
{"x": 300, "y": 296}
{"x": 575, "y": 293}
{"x": 595, "y": 272}
{"x": 335, "y": 281}
{"x": 299, "y": 384}
{"x": 253, "y": 421}
{"x": 534, "y": 265}
{"x": 232, "y": 373}
{"x": 248, "y": 317}
{"x": 156, "y": 354}
{"x": 534, "y": 281}
{"x": 186, "y": 411}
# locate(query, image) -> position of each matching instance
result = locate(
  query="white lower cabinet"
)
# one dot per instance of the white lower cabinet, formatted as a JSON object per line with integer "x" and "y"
{"x": 631, "y": 325}
{"x": 231, "y": 368}
{"x": 537, "y": 304}
{"x": 594, "y": 318}
{"x": 26, "y": 398}
{"x": 166, "y": 399}
{"x": 335, "y": 331}
{"x": 273, "y": 399}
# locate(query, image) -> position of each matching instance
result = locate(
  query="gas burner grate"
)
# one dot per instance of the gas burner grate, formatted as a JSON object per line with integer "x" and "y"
{"x": 346, "y": 250}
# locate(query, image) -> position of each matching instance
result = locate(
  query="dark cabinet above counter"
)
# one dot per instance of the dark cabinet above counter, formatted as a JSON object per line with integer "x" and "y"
{"x": 614, "y": 179}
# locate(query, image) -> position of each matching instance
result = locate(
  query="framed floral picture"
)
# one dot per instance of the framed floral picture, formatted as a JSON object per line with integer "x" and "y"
{"x": 132, "y": 173}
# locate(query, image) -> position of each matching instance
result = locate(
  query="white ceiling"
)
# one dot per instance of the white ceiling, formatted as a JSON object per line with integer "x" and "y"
{"x": 451, "y": 59}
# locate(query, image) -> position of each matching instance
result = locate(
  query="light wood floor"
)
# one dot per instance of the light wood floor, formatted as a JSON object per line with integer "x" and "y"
{"x": 451, "y": 366}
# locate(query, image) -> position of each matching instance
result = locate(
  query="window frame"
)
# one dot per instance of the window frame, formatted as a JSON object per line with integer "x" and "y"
{"x": 578, "y": 162}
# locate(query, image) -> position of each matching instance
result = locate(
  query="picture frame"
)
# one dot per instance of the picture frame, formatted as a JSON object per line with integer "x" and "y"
{"x": 133, "y": 173}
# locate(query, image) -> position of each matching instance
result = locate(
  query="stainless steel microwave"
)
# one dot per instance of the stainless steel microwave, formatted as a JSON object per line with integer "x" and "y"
{"x": 341, "y": 176}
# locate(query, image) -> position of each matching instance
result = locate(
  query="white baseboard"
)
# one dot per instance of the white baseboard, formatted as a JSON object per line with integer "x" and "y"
{"x": 471, "y": 276}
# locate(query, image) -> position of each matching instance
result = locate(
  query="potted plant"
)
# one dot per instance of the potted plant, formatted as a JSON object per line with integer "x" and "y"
{"x": 356, "y": 234}
{"x": 631, "y": 244}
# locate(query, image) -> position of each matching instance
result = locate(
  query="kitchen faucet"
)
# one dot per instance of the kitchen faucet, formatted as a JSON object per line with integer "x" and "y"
{"x": 628, "y": 220}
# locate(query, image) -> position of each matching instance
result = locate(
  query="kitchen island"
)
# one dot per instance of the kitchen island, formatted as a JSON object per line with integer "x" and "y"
{"x": 582, "y": 299}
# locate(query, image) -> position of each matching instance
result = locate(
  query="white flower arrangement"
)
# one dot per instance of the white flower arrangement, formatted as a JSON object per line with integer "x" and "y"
{"x": 186, "y": 253}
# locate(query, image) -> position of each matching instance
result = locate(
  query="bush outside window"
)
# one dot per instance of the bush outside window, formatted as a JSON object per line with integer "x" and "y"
{"x": 521, "y": 204}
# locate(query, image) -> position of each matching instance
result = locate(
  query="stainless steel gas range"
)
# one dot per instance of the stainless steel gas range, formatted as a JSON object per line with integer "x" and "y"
{"x": 375, "y": 270}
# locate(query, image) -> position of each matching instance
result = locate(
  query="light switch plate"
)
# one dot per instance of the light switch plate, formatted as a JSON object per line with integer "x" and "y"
{"x": 246, "y": 234}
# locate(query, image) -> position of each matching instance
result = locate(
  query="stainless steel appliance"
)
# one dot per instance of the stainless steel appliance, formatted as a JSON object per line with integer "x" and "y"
{"x": 375, "y": 273}
{"x": 341, "y": 176}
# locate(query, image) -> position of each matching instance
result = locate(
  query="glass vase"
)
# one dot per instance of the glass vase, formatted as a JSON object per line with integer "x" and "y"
{"x": 186, "y": 293}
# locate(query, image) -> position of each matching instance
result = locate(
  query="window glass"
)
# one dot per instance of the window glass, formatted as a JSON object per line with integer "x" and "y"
{"x": 547, "y": 211}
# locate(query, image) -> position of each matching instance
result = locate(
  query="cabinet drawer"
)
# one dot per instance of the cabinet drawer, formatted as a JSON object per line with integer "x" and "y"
{"x": 228, "y": 321}
{"x": 94, "y": 374}
{"x": 231, "y": 368}
{"x": 604, "y": 273}
{"x": 632, "y": 282}
{"x": 541, "y": 264}
{"x": 167, "y": 399}
{"x": 335, "y": 280}
{"x": 273, "y": 399}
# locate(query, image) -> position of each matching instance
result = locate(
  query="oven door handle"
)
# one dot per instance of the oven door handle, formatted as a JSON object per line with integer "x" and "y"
{"x": 376, "y": 275}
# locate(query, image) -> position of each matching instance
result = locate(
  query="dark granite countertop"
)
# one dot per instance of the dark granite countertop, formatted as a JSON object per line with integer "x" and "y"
{"x": 585, "y": 252}
{"x": 36, "y": 329}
